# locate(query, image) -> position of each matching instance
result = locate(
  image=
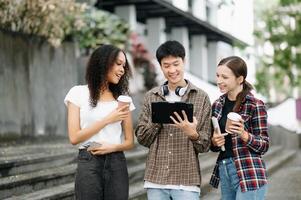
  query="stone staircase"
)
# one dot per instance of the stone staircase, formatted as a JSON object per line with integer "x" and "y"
{"x": 46, "y": 171}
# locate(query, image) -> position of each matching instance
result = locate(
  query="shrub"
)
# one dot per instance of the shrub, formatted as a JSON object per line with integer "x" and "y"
{"x": 60, "y": 20}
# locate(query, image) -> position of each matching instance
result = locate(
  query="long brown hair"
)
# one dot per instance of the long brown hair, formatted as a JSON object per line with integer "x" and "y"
{"x": 239, "y": 68}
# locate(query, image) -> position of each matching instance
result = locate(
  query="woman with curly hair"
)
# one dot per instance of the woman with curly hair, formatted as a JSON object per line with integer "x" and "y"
{"x": 101, "y": 128}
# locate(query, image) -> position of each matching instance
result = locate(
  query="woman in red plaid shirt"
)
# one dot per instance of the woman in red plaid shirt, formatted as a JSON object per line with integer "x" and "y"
{"x": 239, "y": 168}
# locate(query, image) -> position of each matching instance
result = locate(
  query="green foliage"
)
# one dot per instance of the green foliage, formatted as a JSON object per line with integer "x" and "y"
{"x": 101, "y": 28}
{"x": 280, "y": 69}
{"x": 59, "y": 20}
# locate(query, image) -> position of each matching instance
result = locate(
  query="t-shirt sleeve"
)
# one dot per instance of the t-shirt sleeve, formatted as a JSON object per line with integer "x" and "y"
{"x": 73, "y": 96}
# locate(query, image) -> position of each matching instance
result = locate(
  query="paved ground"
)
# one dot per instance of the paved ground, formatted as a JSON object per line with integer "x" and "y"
{"x": 284, "y": 184}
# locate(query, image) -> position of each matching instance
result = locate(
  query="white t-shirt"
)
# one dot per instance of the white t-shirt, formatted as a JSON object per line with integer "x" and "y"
{"x": 172, "y": 97}
{"x": 112, "y": 133}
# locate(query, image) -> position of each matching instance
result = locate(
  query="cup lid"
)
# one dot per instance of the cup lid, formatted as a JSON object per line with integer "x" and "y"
{"x": 124, "y": 98}
{"x": 234, "y": 116}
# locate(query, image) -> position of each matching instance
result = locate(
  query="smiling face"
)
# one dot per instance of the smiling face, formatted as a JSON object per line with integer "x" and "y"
{"x": 173, "y": 69}
{"x": 117, "y": 69}
{"x": 226, "y": 80}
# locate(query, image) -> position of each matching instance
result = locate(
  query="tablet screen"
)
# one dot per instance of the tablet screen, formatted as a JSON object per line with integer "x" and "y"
{"x": 161, "y": 111}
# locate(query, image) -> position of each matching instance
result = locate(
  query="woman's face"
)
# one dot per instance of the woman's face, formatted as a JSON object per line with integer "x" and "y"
{"x": 117, "y": 70}
{"x": 226, "y": 80}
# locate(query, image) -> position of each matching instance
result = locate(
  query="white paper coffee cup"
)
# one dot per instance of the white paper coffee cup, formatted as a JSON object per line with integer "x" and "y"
{"x": 124, "y": 100}
{"x": 232, "y": 116}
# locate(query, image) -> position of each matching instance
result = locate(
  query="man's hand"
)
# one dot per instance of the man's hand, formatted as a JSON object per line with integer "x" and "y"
{"x": 189, "y": 128}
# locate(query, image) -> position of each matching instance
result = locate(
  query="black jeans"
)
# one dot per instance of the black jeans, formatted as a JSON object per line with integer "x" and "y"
{"x": 103, "y": 177}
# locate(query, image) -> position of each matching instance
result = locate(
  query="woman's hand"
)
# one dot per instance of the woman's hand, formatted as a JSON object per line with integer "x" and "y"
{"x": 217, "y": 139}
{"x": 118, "y": 114}
{"x": 239, "y": 129}
{"x": 236, "y": 127}
{"x": 105, "y": 148}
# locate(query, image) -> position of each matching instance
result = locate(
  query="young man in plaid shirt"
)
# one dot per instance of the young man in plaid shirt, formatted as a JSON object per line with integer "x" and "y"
{"x": 240, "y": 168}
{"x": 172, "y": 168}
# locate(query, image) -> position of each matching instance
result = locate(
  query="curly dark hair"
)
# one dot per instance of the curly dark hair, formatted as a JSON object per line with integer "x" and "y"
{"x": 99, "y": 64}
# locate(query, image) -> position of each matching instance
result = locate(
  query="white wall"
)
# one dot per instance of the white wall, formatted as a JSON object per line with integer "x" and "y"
{"x": 240, "y": 24}
{"x": 217, "y": 51}
{"x": 36, "y": 79}
{"x": 237, "y": 19}
{"x": 182, "y": 4}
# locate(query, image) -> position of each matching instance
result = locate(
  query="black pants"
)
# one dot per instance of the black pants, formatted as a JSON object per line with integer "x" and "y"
{"x": 102, "y": 177}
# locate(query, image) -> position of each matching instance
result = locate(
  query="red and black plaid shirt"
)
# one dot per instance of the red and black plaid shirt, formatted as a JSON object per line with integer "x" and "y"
{"x": 247, "y": 155}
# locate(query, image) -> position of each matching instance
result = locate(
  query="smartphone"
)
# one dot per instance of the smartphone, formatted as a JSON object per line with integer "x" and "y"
{"x": 93, "y": 145}
{"x": 224, "y": 134}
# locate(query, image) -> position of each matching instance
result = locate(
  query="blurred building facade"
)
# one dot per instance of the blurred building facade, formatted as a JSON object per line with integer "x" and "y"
{"x": 32, "y": 103}
{"x": 208, "y": 29}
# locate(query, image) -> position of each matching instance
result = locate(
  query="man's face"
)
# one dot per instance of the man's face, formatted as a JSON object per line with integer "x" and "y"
{"x": 173, "y": 69}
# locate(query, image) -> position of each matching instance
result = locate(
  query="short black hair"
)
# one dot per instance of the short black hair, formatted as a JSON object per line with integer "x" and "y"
{"x": 170, "y": 48}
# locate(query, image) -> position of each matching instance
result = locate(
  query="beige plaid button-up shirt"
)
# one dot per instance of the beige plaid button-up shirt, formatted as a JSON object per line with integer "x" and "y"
{"x": 173, "y": 157}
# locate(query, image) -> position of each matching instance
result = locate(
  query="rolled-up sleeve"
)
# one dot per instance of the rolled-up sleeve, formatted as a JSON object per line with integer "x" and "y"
{"x": 146, "y": 131}
{"x": 258, "y": 137}
{"x": 202, "y": 144}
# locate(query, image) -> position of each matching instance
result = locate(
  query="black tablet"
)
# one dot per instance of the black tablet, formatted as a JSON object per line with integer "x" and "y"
{"x": 161, "y": 111}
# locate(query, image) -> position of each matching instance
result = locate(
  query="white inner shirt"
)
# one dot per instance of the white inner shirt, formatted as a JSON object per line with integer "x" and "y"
{"x": 111, "y": 133}
{"x": 172, "y": 97}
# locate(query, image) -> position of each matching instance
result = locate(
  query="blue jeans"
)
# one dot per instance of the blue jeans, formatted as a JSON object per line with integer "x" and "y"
{"x": 103, "y": 177}
{"x": 230, "y": 188}
{"x": 167, "y": 194}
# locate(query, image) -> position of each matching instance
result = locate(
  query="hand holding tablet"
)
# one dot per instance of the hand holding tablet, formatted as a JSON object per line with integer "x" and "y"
{"x": 161, "y": 111}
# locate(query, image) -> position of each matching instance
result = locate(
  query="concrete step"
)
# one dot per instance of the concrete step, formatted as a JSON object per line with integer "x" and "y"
{"x": 281, "y": 158}
{"x": 137, "y": 153}
{"x": 274, "y": 159}
{"x": 136, "y": 172}
{"x": 20, "y": 164}
{"x": 29, "y": 182}
{"x": 33, "y": 149}
{"x": 137, "y": 192}
{"x": 207, "y": 162}
{"x": 136, "y": 166}
{"x": 21, "y": 184}
{"x": 64, "y": 191}
{"x": 273, "y": 151}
